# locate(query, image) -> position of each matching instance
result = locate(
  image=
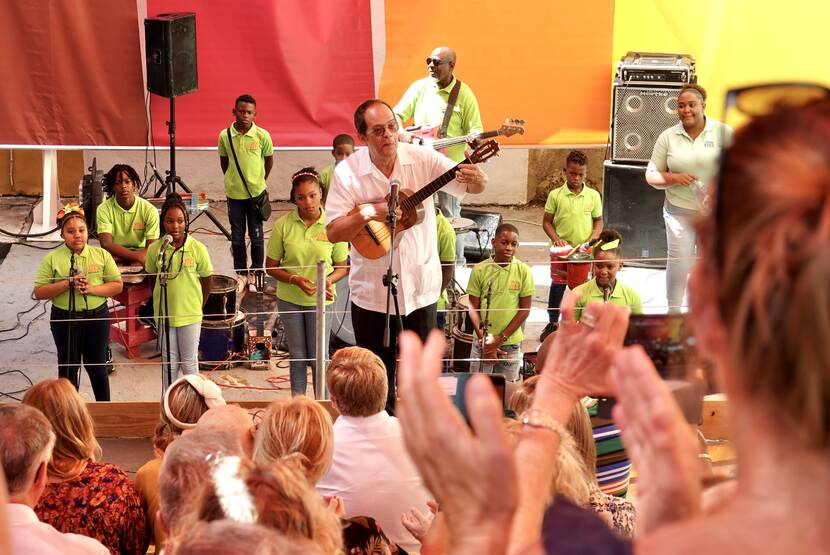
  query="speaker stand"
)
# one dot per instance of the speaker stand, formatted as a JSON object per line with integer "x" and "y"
{"x": 172, "y": 179}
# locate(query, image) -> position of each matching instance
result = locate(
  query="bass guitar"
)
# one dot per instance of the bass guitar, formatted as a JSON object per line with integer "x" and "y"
{"x": 259, "y": 345}
{"x": 373, "y": 240}
{"x": 428, "y": 136}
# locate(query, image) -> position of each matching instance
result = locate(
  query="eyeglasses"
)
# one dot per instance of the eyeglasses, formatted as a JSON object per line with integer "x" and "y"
{"x": 436, "y": 62}
{"x": 381, "y": 130}
{"x": 741, "y": 105}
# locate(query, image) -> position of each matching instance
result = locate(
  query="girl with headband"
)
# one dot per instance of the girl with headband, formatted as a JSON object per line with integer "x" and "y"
{"x": 297, "y": 242}
{"x": 78, "y": 279}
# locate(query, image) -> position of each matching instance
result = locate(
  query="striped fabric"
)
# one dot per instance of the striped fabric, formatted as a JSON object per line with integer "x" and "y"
{"x": 613, "y": 468}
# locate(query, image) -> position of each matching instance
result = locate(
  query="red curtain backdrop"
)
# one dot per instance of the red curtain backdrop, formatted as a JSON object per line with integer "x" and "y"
{"x": 307, "y": 63}
{"x": 71, "y": 73}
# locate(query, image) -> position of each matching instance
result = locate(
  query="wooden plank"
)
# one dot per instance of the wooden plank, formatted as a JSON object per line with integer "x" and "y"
{"x": 139, "y": 419}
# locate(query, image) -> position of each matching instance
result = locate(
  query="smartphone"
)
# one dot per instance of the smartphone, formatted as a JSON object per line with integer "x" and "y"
{"x": 455, "y": 385}
{"x": 671, "y": 345}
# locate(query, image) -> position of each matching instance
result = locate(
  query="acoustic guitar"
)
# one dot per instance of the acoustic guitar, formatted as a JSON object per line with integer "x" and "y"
{"x": 373, "y": 240}
{"x": 428, "y": 136}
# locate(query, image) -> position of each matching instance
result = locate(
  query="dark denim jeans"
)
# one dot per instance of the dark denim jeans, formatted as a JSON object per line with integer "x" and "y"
{"x": 242, "y": 214}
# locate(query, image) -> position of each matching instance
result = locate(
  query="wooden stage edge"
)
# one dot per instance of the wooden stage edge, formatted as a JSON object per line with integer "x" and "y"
{"x": 138, "y": 419}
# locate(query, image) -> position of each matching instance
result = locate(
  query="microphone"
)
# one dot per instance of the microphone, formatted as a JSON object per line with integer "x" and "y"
{"x": 606, "y": 293}
{"x": 394, "y": 187}
{"x": 165, "y": 242}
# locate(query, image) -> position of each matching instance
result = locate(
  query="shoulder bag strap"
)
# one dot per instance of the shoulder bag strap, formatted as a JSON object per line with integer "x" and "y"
{"x": 236, "y": 161}
{"x": 450, "y": 105}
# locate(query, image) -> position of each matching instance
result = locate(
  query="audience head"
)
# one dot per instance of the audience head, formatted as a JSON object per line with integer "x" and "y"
{"x": 277, "y": 496}
{"x": 75, "y": 434}
{"x": 186, "y": 467}
{"x": 356, "y": 380}
{"x": 230, "y": 418}
{"x": 761, "y": 279}
{"x": 342, "y": 147}
{"x": 226, "y": 537}
{"x": 576, "y": 169}
{"x": 26, "y": 442}
{"x": 297, "y": 429}
{"x": 183, "y": 403}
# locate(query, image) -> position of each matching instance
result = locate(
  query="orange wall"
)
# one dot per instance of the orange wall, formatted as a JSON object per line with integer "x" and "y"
{"x": 546, "y": 62}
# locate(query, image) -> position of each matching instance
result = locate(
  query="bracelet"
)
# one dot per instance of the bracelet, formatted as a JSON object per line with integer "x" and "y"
{"x": 291, "y": 279}
{"x": 536, "y": 418}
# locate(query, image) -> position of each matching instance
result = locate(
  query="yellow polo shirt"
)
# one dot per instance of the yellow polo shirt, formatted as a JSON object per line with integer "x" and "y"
{"x": 574, "y": 213}
{"x": 96, "y": 263}
{"x": 184, "y": 290}
{"x": 622, "y": 295}
{"x": 293, "y": 244}
{"x": 129, "y": 228}
{"x": 425, "y": 104}
{"x": 251, "y": 149}
{"x": 675, "y": 151}
{"x": 510, "y": 283}
{"x": 325, "y": 178}
{"x": 446, "y": 249}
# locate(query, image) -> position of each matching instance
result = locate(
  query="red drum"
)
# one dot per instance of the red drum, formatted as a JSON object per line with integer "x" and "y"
{"x": 569, "y": 267}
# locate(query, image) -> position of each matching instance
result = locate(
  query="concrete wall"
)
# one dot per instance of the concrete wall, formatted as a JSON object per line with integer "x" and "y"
{"x": 516, "y": 175}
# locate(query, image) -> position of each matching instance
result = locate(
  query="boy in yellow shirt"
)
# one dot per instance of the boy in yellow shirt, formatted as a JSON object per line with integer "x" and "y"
{"x": 509, "y": 284}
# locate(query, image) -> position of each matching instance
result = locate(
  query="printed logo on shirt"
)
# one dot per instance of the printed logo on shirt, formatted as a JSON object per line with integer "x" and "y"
{"x": 92, "y": 268}
{"x": 587, "y": 206}
{"x": 514, "y": 285}
{"x": 709, "y": 144}
{"x": 321, "y": 236}
{"x": 253, "y": 145}
{"x": 188, "y": 262}
{"x": 138, "y": 225}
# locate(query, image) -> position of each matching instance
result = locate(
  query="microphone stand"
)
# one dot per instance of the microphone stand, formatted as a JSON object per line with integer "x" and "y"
{"x": 165, "y": 316}
{"x": 390, "y": 280}
{"x": 69, "y": 343}
{"x": 485, "y": 325}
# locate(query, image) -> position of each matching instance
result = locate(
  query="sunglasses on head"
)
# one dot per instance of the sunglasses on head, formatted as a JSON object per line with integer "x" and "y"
{"x": 740, "y": 106}
{"x": 436, "y": 62}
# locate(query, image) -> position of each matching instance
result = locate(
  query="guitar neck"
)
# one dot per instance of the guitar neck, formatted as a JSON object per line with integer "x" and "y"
{"x": 412, "y": 202}
{"x": 444, "y": 143}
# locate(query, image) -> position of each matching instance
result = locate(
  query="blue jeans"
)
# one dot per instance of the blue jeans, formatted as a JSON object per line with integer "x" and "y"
{"x": 557, "y": 291}
{"x": 184, "y": 351}
{"x": 507, "y": 366}
{"x": 301, "y": 336}
{"x": 242, "y": 214}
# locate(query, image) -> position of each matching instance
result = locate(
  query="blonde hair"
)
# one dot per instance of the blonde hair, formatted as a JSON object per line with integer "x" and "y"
{"x": 281, "y": 498}
{"x": 356, "y": 379}
{"x": 74, "y": 431}
{"x": 186, "y": 405}
{"x": 768, "y": 261}
{"x": 227, "y": 537}
{"x": 297, "y": 428}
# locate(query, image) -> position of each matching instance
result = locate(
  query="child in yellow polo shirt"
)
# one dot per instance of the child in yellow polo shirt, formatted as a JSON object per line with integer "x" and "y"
{"x": 297, "y": 243}
{"x": 185, "y": 264}
{"x": 509, "y": 284}
{"x": 78, "y": 278}
{"x": 341, "y": 148}
{"x": 605, "y": 287}
{"x": 573, "y": 216}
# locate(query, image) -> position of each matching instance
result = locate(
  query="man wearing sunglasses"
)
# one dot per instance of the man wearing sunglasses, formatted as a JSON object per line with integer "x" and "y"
{"x": 426, "y": 104}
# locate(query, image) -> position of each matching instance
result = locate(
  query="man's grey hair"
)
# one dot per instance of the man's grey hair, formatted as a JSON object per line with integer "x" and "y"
{"x": 186, "y": 468}
{"x": 26, "y": 441}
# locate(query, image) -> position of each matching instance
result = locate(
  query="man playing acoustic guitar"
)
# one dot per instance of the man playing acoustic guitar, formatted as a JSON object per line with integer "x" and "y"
{"x": 357, "y": 197}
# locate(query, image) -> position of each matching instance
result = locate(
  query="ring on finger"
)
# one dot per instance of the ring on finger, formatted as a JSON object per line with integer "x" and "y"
{"x": 588, "y": 320}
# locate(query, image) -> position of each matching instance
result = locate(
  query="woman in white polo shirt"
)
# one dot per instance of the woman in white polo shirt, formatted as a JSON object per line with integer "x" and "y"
{"x": 684, "y": 160}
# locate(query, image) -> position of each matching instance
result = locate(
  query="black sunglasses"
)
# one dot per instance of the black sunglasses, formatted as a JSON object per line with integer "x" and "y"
{"x": 741, "y": 105}
{"x": 436, "y": 62}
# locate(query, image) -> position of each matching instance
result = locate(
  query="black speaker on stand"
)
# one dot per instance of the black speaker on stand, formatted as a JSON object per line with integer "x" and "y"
{"x": 635, "y": 209}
